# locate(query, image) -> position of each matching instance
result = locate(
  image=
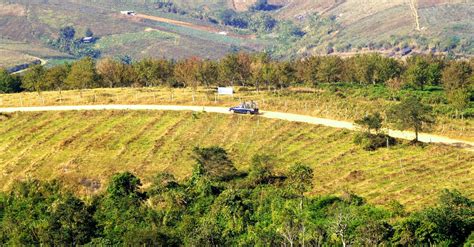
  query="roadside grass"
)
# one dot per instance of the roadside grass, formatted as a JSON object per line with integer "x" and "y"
{"x": 346, "y": 104}
{"x": 84, "y": 148}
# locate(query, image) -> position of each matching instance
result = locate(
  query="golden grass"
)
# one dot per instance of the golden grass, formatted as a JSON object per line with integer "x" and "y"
{"x": 83, "y": 149}
{"x": 296, "y": 100}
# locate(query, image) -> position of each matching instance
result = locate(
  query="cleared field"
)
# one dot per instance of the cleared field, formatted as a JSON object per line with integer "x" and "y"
{"x": 84, "y": 148}
{"x": 310, "y": 102}
{"x": 12, "y": 58}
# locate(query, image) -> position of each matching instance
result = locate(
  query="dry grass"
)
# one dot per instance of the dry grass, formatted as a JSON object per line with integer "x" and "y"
{"x": 301, "y": 101}
{"x": 83, "y": 149}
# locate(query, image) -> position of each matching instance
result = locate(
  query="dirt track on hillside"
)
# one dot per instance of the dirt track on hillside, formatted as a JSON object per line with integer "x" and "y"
{"x": 407, "y": 135}
{"x": 189, "y": 25}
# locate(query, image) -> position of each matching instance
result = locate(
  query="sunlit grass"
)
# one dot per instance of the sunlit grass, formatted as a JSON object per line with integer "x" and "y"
{"x": 79, "y": 147}
{"x": 302, "y": 101}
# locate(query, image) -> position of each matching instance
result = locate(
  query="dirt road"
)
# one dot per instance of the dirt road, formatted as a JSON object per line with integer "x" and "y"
{"x": 43, "y": 62}
{"x": 407, "y": 135}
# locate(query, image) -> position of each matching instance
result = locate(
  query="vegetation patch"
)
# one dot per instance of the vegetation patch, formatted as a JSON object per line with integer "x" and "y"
{"x": 76, "y": 147}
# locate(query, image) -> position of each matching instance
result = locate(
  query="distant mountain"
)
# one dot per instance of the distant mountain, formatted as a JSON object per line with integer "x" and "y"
{"x": 212, "y": 28}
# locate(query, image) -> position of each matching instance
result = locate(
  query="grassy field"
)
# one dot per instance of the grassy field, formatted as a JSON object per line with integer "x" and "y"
{"x": 343, "y": 105}
{"x": 83, "y": 149}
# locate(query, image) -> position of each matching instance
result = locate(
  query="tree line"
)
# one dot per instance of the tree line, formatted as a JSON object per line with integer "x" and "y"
{"x": 255, "y": 70}
{"x": 221, "y": 206}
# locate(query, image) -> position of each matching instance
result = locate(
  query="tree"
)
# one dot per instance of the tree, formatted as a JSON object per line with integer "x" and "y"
{"x": 71, "y": 222}
{"x": 411, "y": 113}
{"x": 284, "y": 75}
{"x": 114, "y": 73}
{"x": 458, "y": 83}
{"x": 422, "y": 71}
{"x": 235, "y": 69}
{"x": 124, "y": 185}
{"x": 306, "y": 70}
{"x": 187, "y": 72}
{"x": 33, "y": 80}
{"x": 55, "y": 77}
{"x": 88, "y": 33}
{"x": 67, "y": 33}
{"x": 83, "y": 74}
{"x": 371, "y": 122}
{"x": 330, "y": 69}
{"x": 208, "y": 73}
{"x": 9, "y": 83}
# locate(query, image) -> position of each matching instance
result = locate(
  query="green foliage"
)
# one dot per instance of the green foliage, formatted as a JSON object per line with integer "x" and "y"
{"x": 83, "y": 74}
{"x": 33, "y": 79}
{"x": 371, "y": 122}
{"x": 411, "y": 113}
{"x": 372, "y": 142}
{"x": 201, "y": 212}
{"x": 458, "y": 81}
{"x": 9, "y": 83}
{"x": 423, "y": 71}
{"x": 66, "y": 43}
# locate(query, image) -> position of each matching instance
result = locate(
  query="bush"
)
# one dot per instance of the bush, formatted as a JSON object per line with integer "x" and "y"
{"x": 372, "y": 142}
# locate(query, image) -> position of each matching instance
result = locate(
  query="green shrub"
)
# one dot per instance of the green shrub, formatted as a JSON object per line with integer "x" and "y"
{"x": 372, "y": 142}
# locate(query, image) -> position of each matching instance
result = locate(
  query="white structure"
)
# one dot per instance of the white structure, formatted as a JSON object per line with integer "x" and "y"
{"x": 128, "y": 12}
{"x": 223, "y": 33}
{"x": 225, "y": 91}
{"x": 88, "y": 39}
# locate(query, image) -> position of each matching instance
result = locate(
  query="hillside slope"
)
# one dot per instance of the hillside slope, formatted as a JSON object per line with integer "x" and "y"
{"x": 84, "y": 148}
{"x": 341, "y": 26}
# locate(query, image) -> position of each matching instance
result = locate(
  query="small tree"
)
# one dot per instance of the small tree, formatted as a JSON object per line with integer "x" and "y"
{"x": 457, "y": 82}
{"x": 371, "y": 122}
{"x": 411, "y": 113}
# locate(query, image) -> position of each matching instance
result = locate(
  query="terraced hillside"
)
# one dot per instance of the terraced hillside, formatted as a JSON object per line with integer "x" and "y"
{"x": 84, "y": 148}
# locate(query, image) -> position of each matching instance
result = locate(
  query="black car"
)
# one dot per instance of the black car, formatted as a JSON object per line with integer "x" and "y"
{"x": 245, "y": 108}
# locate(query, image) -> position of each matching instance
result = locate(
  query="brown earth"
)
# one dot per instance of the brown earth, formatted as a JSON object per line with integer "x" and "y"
{"x": 188, "y": 25}
{"x": 12, "y": 10}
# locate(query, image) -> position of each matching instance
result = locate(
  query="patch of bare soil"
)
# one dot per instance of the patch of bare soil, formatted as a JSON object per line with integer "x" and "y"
{"x": 12, "y": 10}
{"x": 189, "y": 25}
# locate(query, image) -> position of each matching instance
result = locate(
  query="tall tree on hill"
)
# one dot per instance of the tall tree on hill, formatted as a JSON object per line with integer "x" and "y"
{"x": 33, "y": 80}
{"x": 114, "y": 73}
{"x": 187, "y": 72}
{"x": 256, "y": 69}
{"x": 153, "y": 72}
{"x": 411, "y": 113}
{"x": 307, "y": 70}
{"x": 458, "y": 82}
{"x": 235, "y": 69}
{"x": 83, "y": 75}
{"x": 422, "y": 71}
{"x": 208, "y": 72}
{"x": 55, "y": 77}
{"x": 330, "y": 69}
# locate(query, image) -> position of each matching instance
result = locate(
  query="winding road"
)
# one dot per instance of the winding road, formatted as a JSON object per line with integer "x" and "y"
{"x": 407, "y": 135}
